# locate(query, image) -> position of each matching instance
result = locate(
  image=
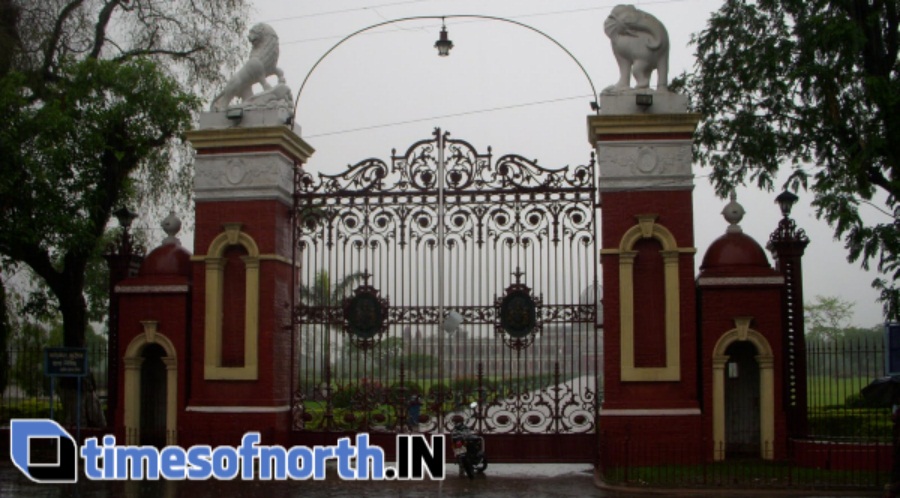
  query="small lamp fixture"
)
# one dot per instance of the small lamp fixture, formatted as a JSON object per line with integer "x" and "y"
{"x": 235, "y": 113}
{"x": 786, "y": 201}
{"x": 443, "y": 45}
{"x": 452, "y": 322}
{"x": 125, "y": 217}
{"x": 643, "y": 99}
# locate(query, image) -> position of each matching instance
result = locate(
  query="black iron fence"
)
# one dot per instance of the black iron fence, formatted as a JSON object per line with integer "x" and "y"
{"x": 813, "y": 464}
{"x": 838, "y": 369}
{"x": 848, "y": 443}
{"x": 27, "y": 392}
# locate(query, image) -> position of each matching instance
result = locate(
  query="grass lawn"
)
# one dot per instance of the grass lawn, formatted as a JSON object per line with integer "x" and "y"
{"x": 830, "y": 391}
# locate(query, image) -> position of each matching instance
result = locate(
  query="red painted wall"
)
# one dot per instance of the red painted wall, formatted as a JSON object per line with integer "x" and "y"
{"x": 268, "y": 223}
{"x": 675, "y": 213}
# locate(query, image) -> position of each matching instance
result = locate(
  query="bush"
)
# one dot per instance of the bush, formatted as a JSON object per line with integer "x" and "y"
{"x": 343, "y": 397}
{"x": 859, "y": 401}
{"x": 29, "y": 408}
{"x": 399, "y": 392}
{"x": 859, "y": 423}
{"x": 435, "y": 389}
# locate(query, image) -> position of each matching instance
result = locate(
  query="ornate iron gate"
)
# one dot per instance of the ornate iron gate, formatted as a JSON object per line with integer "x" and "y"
{"x": 393, "y": 256}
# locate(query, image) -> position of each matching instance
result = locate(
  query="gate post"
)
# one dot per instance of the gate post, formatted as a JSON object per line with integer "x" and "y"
{"x": 242, "y": 272}
{"x": 643, "y": 147}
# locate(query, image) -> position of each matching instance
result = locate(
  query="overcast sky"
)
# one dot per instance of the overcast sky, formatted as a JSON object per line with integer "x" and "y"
{"x": 506, "y": 87}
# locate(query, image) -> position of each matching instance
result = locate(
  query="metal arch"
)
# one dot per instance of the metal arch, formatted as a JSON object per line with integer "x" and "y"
{"x": 453, "y": 16}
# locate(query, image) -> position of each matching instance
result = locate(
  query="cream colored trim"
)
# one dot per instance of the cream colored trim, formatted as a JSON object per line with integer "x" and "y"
{"x": 626, "y": 124}
{"x": 257, "y": 136}
{"x": 650, "y": 412}
{"x": 648, "y": 228}
{"x": 262, "y": 257}
{"x": 215, "y": 273}
{"x": 616, "y": 250}
{"x": 766, "y": 361}
{"x": 238, "y": 409}
{"x": 151, "y": 289}
{"x": 718, "y": 408}
{"x": 776, "y": 280}
{"x": 132, "y": 403}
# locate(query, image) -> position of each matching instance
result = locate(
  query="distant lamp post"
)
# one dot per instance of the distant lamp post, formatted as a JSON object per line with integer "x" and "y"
{"x": 788, "y": 243}
{"x": 443, "y": 45}
{"x": 125, "y": 217}
{"x": 786, "y": 201}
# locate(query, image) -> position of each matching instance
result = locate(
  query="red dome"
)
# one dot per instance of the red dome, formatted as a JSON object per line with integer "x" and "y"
{"x": 167, "y": 259}
{"x": 735, "y": 253}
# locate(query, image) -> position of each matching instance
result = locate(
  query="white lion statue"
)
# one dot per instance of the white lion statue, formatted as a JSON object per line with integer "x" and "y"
{"x": 641, "y": 44}
{"x": 261, "y": 64}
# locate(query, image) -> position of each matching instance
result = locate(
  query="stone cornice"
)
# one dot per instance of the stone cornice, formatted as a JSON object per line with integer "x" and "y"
{"x": 740, "y": 281}
{"x": 641, "y": 124}
{"x": 151, "y": 289}
{"x": 261, "y": 136}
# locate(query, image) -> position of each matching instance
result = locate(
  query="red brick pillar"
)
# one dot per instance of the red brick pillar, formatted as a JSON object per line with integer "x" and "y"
{"x": 240, "y": 378}
{"x": 650, "y": 338}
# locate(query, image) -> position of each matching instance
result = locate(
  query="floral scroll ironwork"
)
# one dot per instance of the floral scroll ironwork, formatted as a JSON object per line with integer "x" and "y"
{"x": 530, "y": 357}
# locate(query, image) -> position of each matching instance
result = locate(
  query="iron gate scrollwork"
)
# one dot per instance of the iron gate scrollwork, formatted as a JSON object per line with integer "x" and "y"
{"x": 519, "y": 265}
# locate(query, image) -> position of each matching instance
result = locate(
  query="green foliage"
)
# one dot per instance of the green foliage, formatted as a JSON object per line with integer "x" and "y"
{"x": 415, "y": 364}
{"x": 859, "y": 401}
{"x": 399, "y": 393}
{"x": 29, "y": 408}
{"x": 861, "y": 423}
{"x": 28, "y": 369}
{"x": 5, "y": 333}
{"x": 344, "y": 396}
{"x": 827, "y": 317}
{"x": 439, "y": 392}
{"x": 813, "y": 86}
{"x": 323, "y": 293}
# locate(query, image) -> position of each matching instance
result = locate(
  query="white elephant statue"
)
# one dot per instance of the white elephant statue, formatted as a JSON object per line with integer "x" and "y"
{"x": 640, "y": 43}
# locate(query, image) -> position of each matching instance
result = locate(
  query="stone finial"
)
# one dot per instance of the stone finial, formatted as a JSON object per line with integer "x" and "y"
{"x": 733, "y": 214}
{"x": 171, "y": 225}
{"x": 640, "y": 44}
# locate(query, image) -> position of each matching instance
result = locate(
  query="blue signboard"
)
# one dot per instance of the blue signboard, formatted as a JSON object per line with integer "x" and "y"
{"x": 65, "y": 362}
{"x": 892, "y": 348}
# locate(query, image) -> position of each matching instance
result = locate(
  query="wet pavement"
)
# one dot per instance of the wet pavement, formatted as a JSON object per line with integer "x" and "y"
{"x": 500, "y": 480}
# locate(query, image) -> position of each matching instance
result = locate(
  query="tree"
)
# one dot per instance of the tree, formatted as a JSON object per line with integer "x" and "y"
{"x": 814, "y": 86}
{"x": 5, "y": 333}
{"x": 827, "y": 318}
{"x": 95, "y": 95}
{"x": 322, "y": 294}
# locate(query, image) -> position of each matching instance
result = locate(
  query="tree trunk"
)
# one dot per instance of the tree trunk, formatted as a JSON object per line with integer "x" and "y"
{"x": 73, "y": 308}
{"x": 5, "y": 332}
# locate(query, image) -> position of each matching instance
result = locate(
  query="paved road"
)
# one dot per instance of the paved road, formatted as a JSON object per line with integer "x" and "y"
{"x": 500, "y": 481}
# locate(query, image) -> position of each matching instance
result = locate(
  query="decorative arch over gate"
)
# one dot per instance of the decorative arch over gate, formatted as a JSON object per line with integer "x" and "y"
{"x": 510, "y": 225}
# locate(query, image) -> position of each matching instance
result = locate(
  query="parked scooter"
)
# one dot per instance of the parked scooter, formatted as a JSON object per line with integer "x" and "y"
{"x": 468, "y": 448}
